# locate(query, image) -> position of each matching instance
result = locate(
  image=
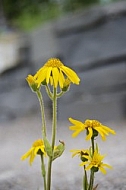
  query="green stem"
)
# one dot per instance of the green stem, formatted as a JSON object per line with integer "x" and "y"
{"x": 42, "y": 113}
{"x": 85, "y": 181}
{"x": 60, "y": 94}
{"x": 92, "y": 144}
{"x": 91, "y": 183}
{"x": 49, "y": 173}
{"x": 43, "y": 171}
{"x": 54, "y": 123}
{"x": 54, "y": 127}
{"x": 49, "y": 92}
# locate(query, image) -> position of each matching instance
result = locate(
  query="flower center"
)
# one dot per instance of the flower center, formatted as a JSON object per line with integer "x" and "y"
{"x": 38, "y": 143}
{"x": 92, "y": 123}
{"x": 53, "y": 62}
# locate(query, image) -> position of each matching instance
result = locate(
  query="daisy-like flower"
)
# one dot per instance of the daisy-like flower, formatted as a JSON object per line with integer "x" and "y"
{"x": 95, "y": 162}
{"x": 37, "y": 148}
{"x": 80, "y": 153}
{"x": 54, "y": 73}
{"x": 92, "y": 127}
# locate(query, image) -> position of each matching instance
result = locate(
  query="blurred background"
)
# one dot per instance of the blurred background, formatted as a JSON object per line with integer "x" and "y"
{"x": 90, "y": 37}
{"x": 87, "y": 35}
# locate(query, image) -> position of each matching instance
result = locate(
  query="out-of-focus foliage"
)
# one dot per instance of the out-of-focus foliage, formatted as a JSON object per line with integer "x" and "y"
{"x": 27, "y": 14}
{"x": 14, "y": 8}
{"x": 30, "y": 19}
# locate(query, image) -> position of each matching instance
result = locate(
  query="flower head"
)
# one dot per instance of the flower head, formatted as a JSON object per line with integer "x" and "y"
{"x": 80, "y": 153}
{"x": 37, "y": 148}
{"x": 95, "y": 162}
{"x": 93, "y": 127}
{"x": 54, "y": 72}
{"x": 32, "y": 82}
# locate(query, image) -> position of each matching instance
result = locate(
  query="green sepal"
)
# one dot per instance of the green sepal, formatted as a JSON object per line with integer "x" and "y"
{"x": 44, "y": 82}
{"x": 83, "y": 159}
{"x": 48, "y": 147}
{"x": 95, "y": 169}
{"x": 95, "y": 133}
{"x": 66, "y": 88}
{"x": 58, "y": 151}
{"x": 34, "y": 87}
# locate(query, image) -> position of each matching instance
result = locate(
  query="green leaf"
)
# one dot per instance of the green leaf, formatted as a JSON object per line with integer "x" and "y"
{"x": 48, "y": 147}
{"x": 59, "y": 150}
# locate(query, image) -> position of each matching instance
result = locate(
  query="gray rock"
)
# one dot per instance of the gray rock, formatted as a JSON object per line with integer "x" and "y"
{"x": 98, "y": 54}
{"x": 93, "y": 42}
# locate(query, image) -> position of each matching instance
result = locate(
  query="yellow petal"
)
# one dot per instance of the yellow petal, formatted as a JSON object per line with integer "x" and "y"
{"x": 48, "y": 73}
{"x": 90, "y": 133}
{"x": 55, "y": 73}
{"x": 27, "y": 154}
{"x": 61, "y": 79}
{"x": 71, "y": 74}
{"x": 76, "y": 122}
{"x": 76, "y": 133}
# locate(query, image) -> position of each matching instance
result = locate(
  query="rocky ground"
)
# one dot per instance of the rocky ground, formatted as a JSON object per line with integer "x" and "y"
{"x": 17, "y": 136}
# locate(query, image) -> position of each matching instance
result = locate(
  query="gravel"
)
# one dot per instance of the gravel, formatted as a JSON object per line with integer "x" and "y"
{"x": 17, "y": 136}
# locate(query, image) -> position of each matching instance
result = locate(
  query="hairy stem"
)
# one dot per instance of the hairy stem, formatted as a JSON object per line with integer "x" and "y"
{"x": 43, "y": 171}
{"x": 91, "y": 183}
{"x": 42, "y": 113}
{"x": 54, "y": 127}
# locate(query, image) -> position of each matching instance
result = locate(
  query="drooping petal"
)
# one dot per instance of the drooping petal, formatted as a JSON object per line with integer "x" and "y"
{"x": 61, "y": 79}
{"x": 76, "y": 133}
{"x": 101, "y": 132}
{"x": 71, "y": 74}
{"x": 55, "y": 73}
{"x": 83, "y": 163}
{"x": 75, "y": 152}
{"x": 88, "y": 167}
{"x": 109, "y": 130}
{"x": 41, "y": 76}
{"x": 102, "y": 170}
{"x": 48, "y": 73}
{"x": 76, "y": 122}
{"x": 32, "y": 157}
{"x": 27, "y": 154}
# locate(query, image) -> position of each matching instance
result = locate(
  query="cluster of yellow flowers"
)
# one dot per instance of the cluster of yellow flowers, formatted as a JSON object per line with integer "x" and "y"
{"x": 55, "y": 74}
{"x": 93, "y": 128}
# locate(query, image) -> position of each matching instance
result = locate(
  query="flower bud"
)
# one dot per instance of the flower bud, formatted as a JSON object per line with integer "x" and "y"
{"x": 32, "y": 83}
{"x": 83, "y": 154}
{"x": 66, "y": 85}
{"x": 95, "y": 169}
{"x": 58, "y": 151}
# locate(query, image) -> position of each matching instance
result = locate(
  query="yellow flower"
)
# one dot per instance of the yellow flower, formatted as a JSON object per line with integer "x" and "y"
{"x": 37, "y": 148}
{"x": 54, "y": 72}
{"x": 95, "y": 162}
{"x": 93, "y": 127}
{"x": 30, "y": 79}
{"x": 32, "y": 82}
{"x": 80, "y": 153}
